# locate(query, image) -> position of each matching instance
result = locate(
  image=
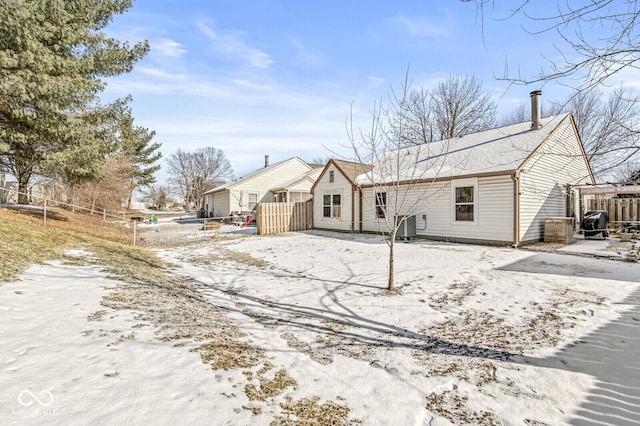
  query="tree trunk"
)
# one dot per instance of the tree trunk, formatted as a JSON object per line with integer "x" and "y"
{"x": 391, "y": 283}
{"x": 23, "y": 188}
{"x": 129, "y": 199}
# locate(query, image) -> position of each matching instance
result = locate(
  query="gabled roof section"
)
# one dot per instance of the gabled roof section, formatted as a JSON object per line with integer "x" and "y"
{"x": 255, "y": 175}
{"x": 309, "y": 176}
{"x": 349, "y": 169}
{"x": 501, "y": 150}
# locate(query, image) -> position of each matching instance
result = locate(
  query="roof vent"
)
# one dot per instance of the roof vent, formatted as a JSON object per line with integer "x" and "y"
{"x": 535, "y": 109}
{"x": 266, "y": 161}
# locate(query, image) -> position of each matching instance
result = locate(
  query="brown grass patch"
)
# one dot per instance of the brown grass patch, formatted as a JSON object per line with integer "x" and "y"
{"x": 309, "y": 412}
{"x": 26, "y": 241}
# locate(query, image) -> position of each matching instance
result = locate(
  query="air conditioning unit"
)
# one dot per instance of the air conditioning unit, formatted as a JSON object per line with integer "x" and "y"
{"x": 407, "y": 228}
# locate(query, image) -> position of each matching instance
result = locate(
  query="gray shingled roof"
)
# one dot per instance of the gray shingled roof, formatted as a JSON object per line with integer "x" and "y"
{"x": 494, "y": 151}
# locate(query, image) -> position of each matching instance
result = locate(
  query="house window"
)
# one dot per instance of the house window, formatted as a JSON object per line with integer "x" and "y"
{"x": 331, "y": 176}
{"x": 465, "y": 203}
{"x": 331, "y": 205}
{"x": 253, "y": 200}
{"x": 381, "y": 204}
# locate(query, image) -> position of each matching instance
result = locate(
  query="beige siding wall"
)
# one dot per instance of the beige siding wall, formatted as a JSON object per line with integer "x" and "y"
{"x": 260, "y": 185}
{"x": 435, "y": 213}
{"x": 543, "y": 181}
{"x": 342, "y": 186}
{"x": 236, "y": 198}
{"x": 218, "y": 203}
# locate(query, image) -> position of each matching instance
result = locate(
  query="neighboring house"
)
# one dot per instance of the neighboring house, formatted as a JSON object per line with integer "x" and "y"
{"x": 8, "y": 192}
{"x": 497, "y": 186}
{"x": 299, "y": 188}
{"x": 288, "y": 180}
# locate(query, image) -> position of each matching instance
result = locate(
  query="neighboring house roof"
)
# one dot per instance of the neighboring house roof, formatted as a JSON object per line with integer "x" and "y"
{"x": 253, "y": 175}
{"x": 309, "y": 177}
{"x": 496, "y": 151}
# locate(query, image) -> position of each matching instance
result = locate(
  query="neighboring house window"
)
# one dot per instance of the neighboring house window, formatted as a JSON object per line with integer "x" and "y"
{"x": 465, "y": 203}
{"x": 381, "y": 204}
{"x": 331, "y": 205}
{"x": 253, "y": 200}
{"x": 331, "y": 176}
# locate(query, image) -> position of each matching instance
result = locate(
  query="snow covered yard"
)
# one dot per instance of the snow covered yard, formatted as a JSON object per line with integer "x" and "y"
{"x": 261, "y": 330}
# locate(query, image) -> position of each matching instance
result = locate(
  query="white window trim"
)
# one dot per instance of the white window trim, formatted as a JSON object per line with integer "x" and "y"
{"x": 457, "y": 184}
{"x": 332, "y": 217}
{"x": 249, "y": 194}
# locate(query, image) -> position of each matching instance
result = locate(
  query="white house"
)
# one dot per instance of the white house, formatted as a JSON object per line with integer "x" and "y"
{"x": 497, "y": 186}
{"x": 288, "y": 180}
{"x": 298, "y": 188}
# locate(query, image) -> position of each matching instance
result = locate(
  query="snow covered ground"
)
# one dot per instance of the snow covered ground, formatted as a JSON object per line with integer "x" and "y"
{"x": 273, "y": 329}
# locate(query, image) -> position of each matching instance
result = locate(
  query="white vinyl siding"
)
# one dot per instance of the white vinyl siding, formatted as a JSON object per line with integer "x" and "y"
{"x": 219, "y": 203}
{"x": 340, "y": 186}
{"x": 544, "y": 178}
{"x": 464, "y": 201}
{"x": 260, "y": 183}
{"x": 493, "y": 210}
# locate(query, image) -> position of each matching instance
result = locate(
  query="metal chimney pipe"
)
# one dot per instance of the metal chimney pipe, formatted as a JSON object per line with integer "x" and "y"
{"x": 535, "y": 109}
{"x": 266, "y": 161}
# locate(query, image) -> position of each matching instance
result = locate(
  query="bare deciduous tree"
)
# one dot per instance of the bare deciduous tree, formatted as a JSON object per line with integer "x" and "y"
{"x": 321, "y": 161}
{"x": 194, "y": 173}
{"x": 460, "y": 106}
{"x": 608, "y": 126}
{"x": 395, "y": 149}
{"x": 158, "y": 195}
{"x": 522, "y": 113}
{"x": 597, "y": 39}
{"x": 456, "y": 107}
{"x": 110, "y": 188}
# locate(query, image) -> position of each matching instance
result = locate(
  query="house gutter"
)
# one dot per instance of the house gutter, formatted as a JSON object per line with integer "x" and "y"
{"x": 516, "y": 208}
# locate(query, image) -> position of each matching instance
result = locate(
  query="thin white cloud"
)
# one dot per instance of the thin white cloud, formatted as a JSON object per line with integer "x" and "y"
{"x": 304, "y": 55}
{"x": 251, "y": 85}
{"x": 231, "y": 43}
{"x": 168, "y": 47}
{"x": 376, "y": 80}
{"x": 423, "y": 27}
{"x": 158, "y": 73}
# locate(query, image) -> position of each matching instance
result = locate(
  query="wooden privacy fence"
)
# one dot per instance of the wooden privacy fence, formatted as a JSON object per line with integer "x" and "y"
{"x": 274, "y": 218}
{"x": 619, "y": 209}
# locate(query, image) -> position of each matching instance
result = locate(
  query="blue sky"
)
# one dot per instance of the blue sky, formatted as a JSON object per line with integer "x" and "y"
{"x": 279, "y": 77}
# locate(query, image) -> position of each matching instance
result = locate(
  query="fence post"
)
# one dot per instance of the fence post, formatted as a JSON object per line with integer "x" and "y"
{"x": 104, "y": 215}
{"x": 135, "y": 237}
{"x": 45, "y": 212}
